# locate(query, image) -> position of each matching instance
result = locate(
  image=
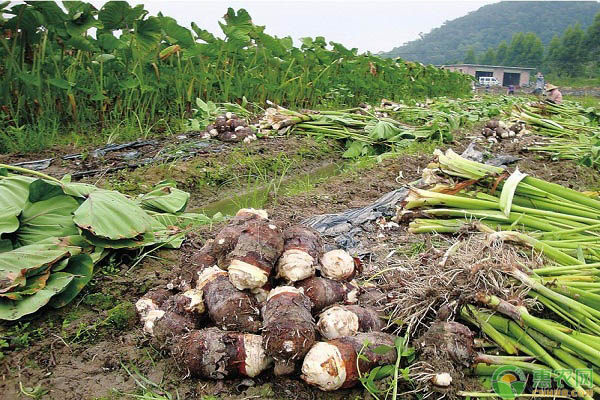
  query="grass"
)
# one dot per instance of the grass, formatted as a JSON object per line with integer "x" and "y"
{"x": 586, "y": 101}
{"x": 48, "y": 132}
{"x": 575, "y": 82}
{"x": 148, "y": 389}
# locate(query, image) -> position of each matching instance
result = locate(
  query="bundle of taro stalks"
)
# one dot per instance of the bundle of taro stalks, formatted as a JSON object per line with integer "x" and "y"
{"x": 544, "y": 320}
{"x": 246, "y": 300}
{"x": 366, "y": 130}
{"x": 568, "y": 131}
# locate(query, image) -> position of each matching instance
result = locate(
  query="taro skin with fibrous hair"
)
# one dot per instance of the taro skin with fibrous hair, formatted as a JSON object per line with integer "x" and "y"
{"x": 213, "y": 353}
{"x": 173, "y": 316}
{"x": 289, "y": 330}
{"x": 342, "y": 320}
{"x": 337, "y": 265}
{"x": 227, "y": 238}
{"x": 335, "y": 364}
{"x": 302, "y": 249}
{"x": 198, "y": 262}
{"x": 228, "y": 307}
{"x": 258, "y": 248}
{"x": 324, "y": 292}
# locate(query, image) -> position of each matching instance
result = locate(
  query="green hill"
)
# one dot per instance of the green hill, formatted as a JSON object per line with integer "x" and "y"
{"x": 491, "y": 24}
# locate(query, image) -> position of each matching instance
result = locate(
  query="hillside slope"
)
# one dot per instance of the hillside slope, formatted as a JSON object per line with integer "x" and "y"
{"x": 491, "y": 24}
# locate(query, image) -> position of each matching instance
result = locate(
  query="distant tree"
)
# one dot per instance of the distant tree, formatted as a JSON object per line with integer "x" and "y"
{"x": 571, "y": 55}
{"x": 516, "y": 49}
{"x": 551, "y": 62}
{"x": 470, "y": 57}
{"x": 489, "y": 57}
{"x": 592, "y": 42}
{"x": 533, "y": 55}
{"x": 502, "y": 53}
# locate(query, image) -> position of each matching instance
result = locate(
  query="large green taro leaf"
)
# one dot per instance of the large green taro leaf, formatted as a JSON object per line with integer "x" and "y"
{"x": 12, "y": 310}
{"x": 42, "y": 189}
{"x": 18, "y": 264}
{"x": 166, "y": 198}
{"x": 47, "y": 218}
{"x": 82, "y": 267}
{"x": 147, "y": 239}
{"x": 14, "y": 191}
{"x": 111, "y": 215}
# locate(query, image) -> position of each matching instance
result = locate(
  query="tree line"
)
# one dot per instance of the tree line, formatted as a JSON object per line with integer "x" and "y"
{"x": 574, "y": 53}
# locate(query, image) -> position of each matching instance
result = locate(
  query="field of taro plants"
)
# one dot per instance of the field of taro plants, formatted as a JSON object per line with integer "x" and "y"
{"x": 77, "y": 68}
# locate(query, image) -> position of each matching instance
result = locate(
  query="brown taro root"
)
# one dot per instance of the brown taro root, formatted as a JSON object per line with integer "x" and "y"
{"x": 165, "y": 315}
{"x": 448, "y": 341}
{"x": 337, "y": 265}
{"x": 333, "y": 365}
{"x": 213, "y": 353}
{"x": 258, "y": 248}
{"x": 152, "y": 301}
{"x": 302, "y": 249}
{"x": 338, "y": 321}
{"x": 169, "y": 324}
{"x": 227, "y": 238}
{"x": 289, "y": 330}
{"x": 228, "y": 307}
{"x": 324, "y": 292}
{"x": 198, "y": 262}
{"x": 148, "y": 307}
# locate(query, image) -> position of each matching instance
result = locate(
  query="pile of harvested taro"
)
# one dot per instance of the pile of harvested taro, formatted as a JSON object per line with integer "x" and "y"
{"x": 230, "y": 128}
{"x": 248, "y": 301}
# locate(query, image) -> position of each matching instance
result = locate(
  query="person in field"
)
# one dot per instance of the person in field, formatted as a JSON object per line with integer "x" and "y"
{"x": 511, "y": 89}
{"x": 539, "y": 84}
{"x": 553, "y": 94}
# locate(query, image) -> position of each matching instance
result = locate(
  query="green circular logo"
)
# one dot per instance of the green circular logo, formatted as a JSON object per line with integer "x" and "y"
{"x": 509, "y": 381}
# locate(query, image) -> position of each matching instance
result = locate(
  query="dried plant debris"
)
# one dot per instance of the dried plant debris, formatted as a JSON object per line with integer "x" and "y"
{"x": 436, "y": 284}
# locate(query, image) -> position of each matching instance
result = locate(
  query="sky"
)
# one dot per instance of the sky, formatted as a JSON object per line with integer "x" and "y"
{"x": 368, "y": 25}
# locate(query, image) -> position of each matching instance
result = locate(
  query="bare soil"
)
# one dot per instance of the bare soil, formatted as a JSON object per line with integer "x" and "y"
{"x": 95, "y": 349}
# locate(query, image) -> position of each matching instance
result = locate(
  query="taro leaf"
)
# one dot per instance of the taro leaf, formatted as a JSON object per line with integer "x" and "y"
{"x": 13, "y": 310}
{"x": 78, "y": 189}
{"x": 17, "y": 264}
{"x": 14, "y": 191}
{"x": 508, "y": 191}
{"x": 82, "y": 267}
{"x": 59, "y": 266}
{"x": 9, "y": 221}
{"x": 186, "y": 220}
{"x": 98, "y": 254}
{"x": 166, "y": 198}
{"x": 47, "y": 218}
{"x": 168, "y": 235}
{"x": 147, "y": 33}
{"x": 382, "y": 130}
{"x": 108, "y": 42}
{"x": 175, "y": 33}
{"x": 5, "y": 245}
{"x": 42, "y": 190}
{"x": 33, "y": 285}
{"x": 109, "y": 214}
{"x": 357, "y": 149}
{"x": 118, "y": 15}
{"x": 146, "y": 239}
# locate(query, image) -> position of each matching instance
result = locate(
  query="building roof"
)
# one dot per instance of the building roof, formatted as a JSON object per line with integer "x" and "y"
{"x": 486, "y": 66}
